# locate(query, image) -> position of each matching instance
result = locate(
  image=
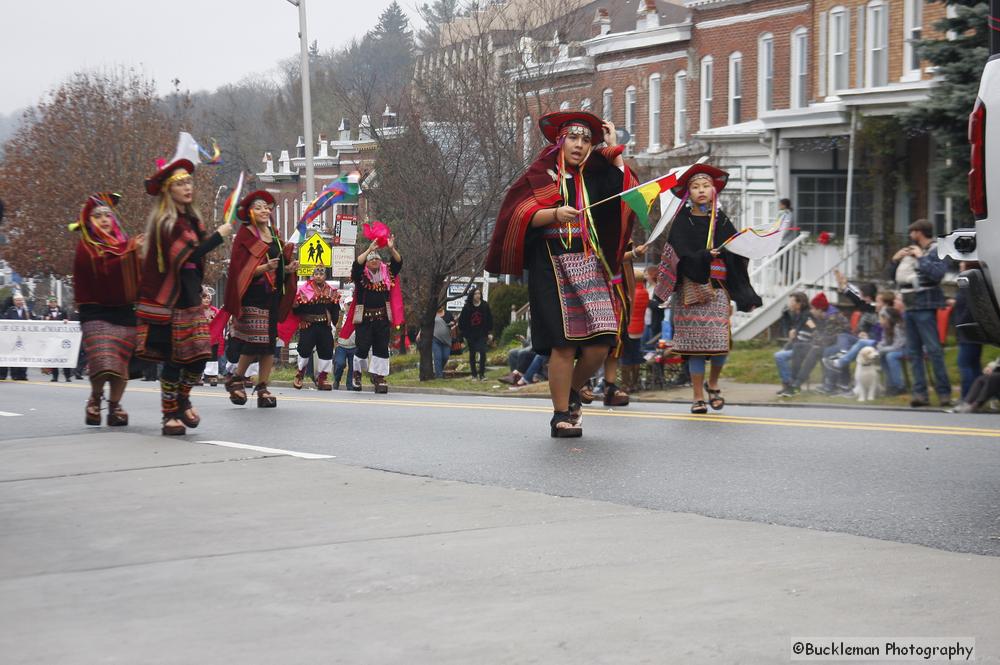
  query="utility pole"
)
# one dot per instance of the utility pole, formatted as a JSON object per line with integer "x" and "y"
{"x": 306, "y": 100}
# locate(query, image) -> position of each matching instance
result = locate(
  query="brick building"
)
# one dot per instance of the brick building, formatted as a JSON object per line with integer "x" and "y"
{"x": 769, "y": 89}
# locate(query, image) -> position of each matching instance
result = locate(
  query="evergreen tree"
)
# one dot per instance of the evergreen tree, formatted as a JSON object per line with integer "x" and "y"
{"x": 435, "y": 15}
{"x": 393, "y": 27}
{"x": 945, "y": 113}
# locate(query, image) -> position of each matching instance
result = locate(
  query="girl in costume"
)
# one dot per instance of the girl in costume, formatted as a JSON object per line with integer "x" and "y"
{"x": 708, "y": 278}
{"x": 106, "y": 285}
{"x": 260, "y": 291}
{"x": 572, "y": 256}
{"x": 377, "y": 306}
{"x": 172, "y": 325}
{"x": 216, "y": 327}
{"x": 317, "y": 306}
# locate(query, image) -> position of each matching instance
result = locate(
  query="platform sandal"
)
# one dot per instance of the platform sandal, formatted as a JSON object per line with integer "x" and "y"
{"x": 172, "y": 430}
{"x": 183, "y": 406}
{"x": 563, "y": 427}
{"x": 615, "y": 396}
{"x": 575, "y": 406}
{"x": 715, "y": 399}
{"x": 265, "y": 400}
{"x": 586, "y": 394}
{"x": 117, "y": 416}
{"x": 699, "y": 407}
{"x": 236, "y": 389}
{"x": 93, "y": 412}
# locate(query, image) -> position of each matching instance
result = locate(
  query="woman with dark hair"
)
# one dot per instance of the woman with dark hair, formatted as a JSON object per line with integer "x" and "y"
{"x": 106, "y": 285}
{"x": 475, "y": 323}
{"x": 260, "y": 290}
{"x": 172, "y": 325}
{"x": 572, "y": 251}
{"x": 892, "y": 349}
{"x": 708, "y": 278}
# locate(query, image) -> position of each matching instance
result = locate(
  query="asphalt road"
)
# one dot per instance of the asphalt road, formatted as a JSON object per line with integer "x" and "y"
{"x": 925, "y": 478}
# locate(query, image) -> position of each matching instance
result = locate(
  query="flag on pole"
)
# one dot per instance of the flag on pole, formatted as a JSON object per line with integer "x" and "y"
{"x": 341, "y": 190}
{"x": 232, "y": 201}
{"x": 641, "y": 197}
{"x": 758, "y": 243}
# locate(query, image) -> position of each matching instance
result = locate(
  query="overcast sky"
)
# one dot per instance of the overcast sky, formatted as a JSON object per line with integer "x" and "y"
{"x": 204, "y": 43}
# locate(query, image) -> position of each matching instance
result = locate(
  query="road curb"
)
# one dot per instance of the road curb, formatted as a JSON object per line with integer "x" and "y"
{"x": 412, "y": 390}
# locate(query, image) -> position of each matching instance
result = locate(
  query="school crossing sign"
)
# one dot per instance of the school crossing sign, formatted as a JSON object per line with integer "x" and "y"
{"x": 314, "y": 252}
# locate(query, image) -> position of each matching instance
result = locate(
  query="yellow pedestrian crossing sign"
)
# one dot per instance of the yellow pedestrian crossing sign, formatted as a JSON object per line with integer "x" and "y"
{"x": 314, "y": 252}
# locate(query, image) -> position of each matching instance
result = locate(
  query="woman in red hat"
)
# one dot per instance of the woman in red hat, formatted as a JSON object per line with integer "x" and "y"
{"x": 707, "y": 279}
{"x": 573, "y": 256}
{"x": 260, "y": 291}
{"x": 106, "y": 285}
{"x": 172, "y": 325}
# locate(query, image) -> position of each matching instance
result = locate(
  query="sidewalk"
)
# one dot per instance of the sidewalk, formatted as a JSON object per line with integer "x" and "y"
{"x": 134, "y": 549}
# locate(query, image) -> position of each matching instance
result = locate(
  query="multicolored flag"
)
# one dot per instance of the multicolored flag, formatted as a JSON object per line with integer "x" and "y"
{"x": 759, "y": 243}
{"x": 344, "y": 189}
{"x": 641, "y": 197}
{"x": 232, "y": 201}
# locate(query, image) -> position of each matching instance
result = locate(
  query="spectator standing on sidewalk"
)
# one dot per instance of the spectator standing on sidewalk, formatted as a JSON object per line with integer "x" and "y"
{"x": 53, "y": 312}
{"x": 441, "y": 349}
{"x": 922, "y": 297}
{"x": 19, "y": 310}
{"x": 970, "y": 352}
{"x": 475, "y": 322}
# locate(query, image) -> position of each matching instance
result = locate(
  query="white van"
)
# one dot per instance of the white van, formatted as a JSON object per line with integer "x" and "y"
{"x": 982, "y": 243}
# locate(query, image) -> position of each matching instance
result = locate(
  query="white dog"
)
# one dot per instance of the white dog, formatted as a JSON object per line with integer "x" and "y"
{"x": 866, "y": 374}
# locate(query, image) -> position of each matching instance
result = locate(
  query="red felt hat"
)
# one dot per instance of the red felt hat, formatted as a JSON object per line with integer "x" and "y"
{"x": 243, "y": 209}
{"x": 719, "y": 178}
{"x": 154, "y": 183}
{"x": 551, "y": 123}
{"x": 819, "y": 301}
{"x": 96, "y": 199}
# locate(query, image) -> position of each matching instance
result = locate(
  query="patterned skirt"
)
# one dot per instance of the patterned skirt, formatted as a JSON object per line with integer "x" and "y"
{"x": 588, "y": 310}
{"x": 252, "y": 325}
{"x": 109, "y": 348}
{"x": 702, "y": 330}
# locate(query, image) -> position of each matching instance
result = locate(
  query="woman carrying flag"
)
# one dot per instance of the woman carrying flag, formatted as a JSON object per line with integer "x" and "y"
{"x": 708, "y": 277}
{"x": 172, "y": 325}
{"x": 572, "y": 255}
{"x": 260, "y": 290}
{"x": 106, "y": 286}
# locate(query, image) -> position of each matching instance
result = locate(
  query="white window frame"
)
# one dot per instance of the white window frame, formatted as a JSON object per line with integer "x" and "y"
{"x": 799, "y": 71}
{"x": 822, "y": 61}
{"x": 735, "y": 88}
{"x": 564, "y": 106}
{"x": 706, "y": 71}
{"x": 655, "y": 95}
{"x": 680, "y": 108}
{"x": 765, "y": 73}
{"x": 877, "y": 45}
{"x": 839, "y": 46}
{"x": 913, "y": 25}
{"x": 631, "y": 106}
{"x": 607, "y": 101}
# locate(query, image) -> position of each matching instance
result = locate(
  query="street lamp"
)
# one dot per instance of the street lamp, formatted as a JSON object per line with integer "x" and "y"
{"x": 306, "y": 99}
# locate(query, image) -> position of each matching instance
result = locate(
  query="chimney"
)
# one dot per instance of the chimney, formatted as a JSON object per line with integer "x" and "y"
{"x": 322, "y": 154}
{"x": 300, "y": 148}
{"x": 388, "y": 118}
{"x": 284, "y": 162}
{"x": 268, "y": 164}
{"x": 344, "y": 130}
{"x": 365, "y": 128}
{"x": 646, "y": 15}
{"x": 601, "y": 24}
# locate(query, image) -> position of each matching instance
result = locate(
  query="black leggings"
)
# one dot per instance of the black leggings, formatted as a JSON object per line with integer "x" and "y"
{"x": 318, "y": 336}
{"x": 477, "y": 347}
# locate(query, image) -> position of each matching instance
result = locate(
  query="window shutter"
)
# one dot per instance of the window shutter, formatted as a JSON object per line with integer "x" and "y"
{"x": 859, "y": 60}
{"x": 822, "y": 63}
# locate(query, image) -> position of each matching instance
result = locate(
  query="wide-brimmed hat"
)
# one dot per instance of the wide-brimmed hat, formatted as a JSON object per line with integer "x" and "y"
{"x": 551, "y": 123}
{"x": 719, "y": 178}
{"x": 154, "y": 183}
{"x": 243, "y": 209}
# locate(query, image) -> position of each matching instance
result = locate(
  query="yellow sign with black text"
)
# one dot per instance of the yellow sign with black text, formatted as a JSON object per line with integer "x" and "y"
{"x": 314, "y": 252}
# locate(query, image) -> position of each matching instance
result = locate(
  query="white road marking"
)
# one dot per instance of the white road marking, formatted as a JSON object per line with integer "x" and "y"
{"x": 8, "y": 413}
{"x": 262, "y": 449}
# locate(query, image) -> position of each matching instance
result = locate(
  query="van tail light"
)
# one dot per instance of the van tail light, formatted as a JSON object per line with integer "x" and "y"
{"x": 977, "y": 172}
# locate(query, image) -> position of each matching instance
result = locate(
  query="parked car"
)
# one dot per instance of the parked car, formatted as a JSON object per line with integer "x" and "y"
{"x": 982, "y": 243}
